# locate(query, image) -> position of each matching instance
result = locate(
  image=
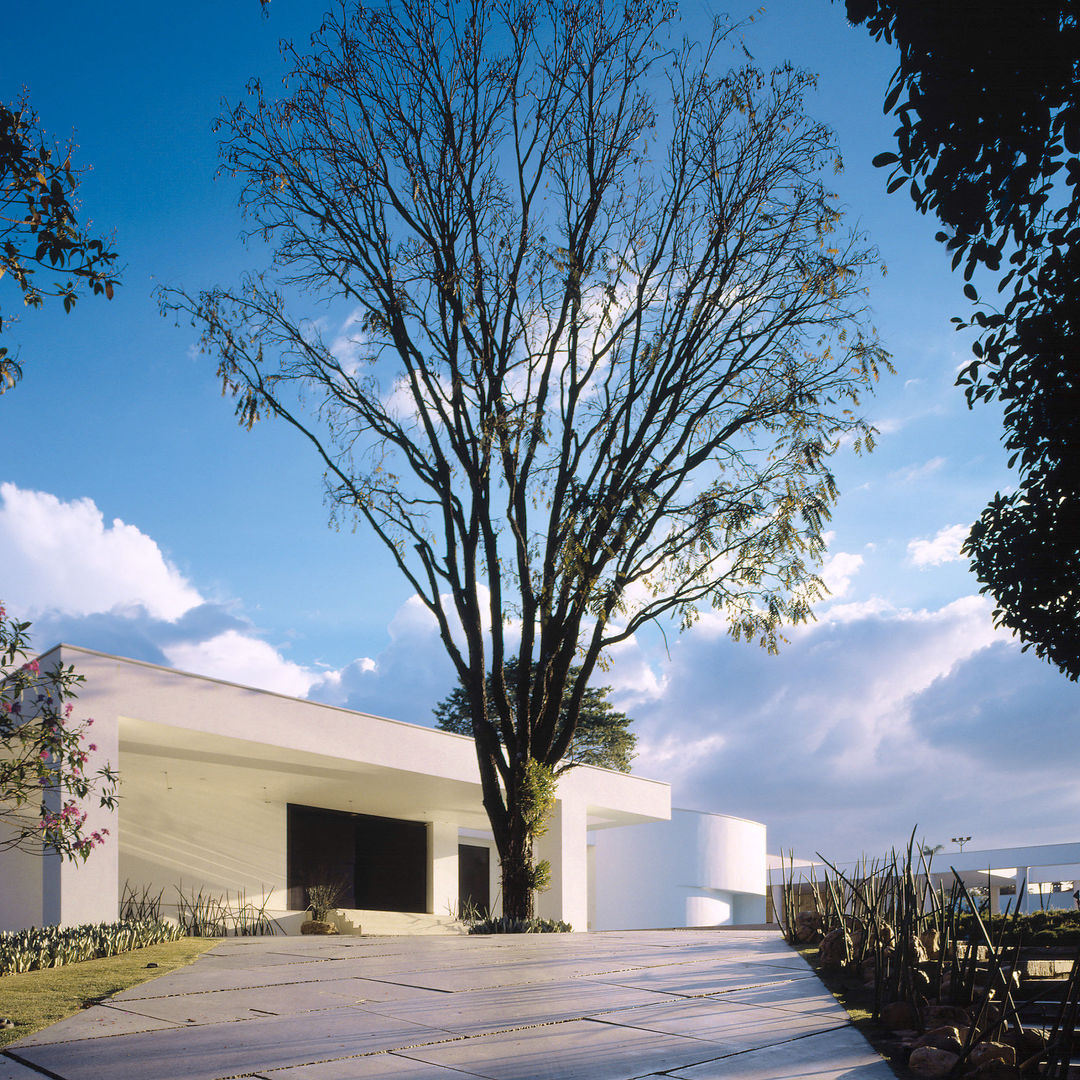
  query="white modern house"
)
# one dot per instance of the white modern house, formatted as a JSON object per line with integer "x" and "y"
{"x": 225, "y": 788}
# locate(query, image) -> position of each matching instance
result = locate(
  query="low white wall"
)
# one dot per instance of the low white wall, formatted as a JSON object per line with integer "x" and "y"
{"x": 698, "y": 869}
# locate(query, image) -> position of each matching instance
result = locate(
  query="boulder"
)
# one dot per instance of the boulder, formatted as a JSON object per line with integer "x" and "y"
{"x": 833, "y": 951}
{"x": 898, "y": 1016}
{"x": 808, "y": 927}
{"x": 930, "y": 1061}
{"x": 946, "y": 1037}
{"x": 993, "y": 1070}
{"x": 937, "y": 1015}
{"x": 991, "y": 1051}
{"x": 931, "y": 943}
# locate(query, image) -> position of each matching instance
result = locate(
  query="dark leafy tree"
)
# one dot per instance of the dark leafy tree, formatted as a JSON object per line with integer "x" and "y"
{"x": 43, "y": 250}
{"x": 988, "y": 99}
{"x": 606, "y": 335}
{"x": 601, "y": 735}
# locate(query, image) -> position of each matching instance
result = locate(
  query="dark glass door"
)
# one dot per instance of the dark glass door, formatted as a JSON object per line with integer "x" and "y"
{"x": 474, "y": 876}
{"x": 381, "y": 863}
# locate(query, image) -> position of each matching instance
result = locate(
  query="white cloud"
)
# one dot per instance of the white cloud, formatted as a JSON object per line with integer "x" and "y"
{"x": 61, "y": 556}
{"x": 241, "y": 658}
{"x": 943, "y": 548}
{"x": 912, "y": 474}
{"x": 838, "y": 571}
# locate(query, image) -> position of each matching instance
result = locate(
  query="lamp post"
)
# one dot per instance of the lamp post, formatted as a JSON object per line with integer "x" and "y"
{"x": 961, "y": 840}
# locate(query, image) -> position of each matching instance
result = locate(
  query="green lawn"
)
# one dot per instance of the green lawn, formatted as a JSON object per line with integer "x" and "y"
{"x": 36, "y": 999}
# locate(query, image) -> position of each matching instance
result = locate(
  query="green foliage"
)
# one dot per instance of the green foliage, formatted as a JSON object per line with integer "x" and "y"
{"x": 324, "y": 896}
{"x": 601, "y": 734}
{"x": 987, "y": 95}
{"x": 506, "y": 925}
{"x": 1041, "y": 928}
{"x": 52, "y": 946}
{"x": 43, "y": 755}
{"x": 42, "y": 248}
{"x": 205, "y": 914}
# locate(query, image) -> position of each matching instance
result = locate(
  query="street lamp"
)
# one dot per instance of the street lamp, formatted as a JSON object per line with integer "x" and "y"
{"x": 961, "y": 840}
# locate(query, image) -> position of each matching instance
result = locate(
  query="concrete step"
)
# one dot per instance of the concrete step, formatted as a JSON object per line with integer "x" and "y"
{"x": 392, "y": 923}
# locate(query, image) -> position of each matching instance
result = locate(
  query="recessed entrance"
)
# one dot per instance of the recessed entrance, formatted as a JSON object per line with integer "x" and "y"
{"x": 381, "y": 863}
{"x": 474, "y": 877}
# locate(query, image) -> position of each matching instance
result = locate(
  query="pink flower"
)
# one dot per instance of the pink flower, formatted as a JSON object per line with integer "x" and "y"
{"x": 31, "y": 666}
{"x": 44, "y": 755}
{"x": 93, "y": 746}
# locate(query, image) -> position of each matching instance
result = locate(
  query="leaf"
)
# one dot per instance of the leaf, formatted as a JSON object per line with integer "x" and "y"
{"x": 971, "y": 293}
{"x": 881, "y": 160}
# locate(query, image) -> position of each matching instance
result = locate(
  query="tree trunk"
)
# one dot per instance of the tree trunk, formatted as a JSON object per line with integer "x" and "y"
{"x": 517, "y": 871}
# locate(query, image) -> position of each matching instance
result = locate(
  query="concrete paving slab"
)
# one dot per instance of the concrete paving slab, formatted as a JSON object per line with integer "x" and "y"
{"x": 701, "y": 978}
{"x": 836, "y": 1055}
{"x": 215, "y": 1050}
{"x": 94, "y": 1023}
{"x": 799, "y": 995}
{"x": 479, "y": 1011}
{"x": 577, "y": 1050}
{"x": 220, "y": 1006}
{"x": 13, "y": 1070}
{"x": 736, "y": 1027}
{"x": 373, "y": 1067}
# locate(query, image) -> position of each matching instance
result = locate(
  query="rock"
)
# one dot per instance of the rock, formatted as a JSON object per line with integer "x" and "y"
{"x": 313, "y": 926}
{"x": 6, "y": 1023}
{"x": 886, "y": 935}
{"x": 931, "y": 943}
{"x": 930, "y": 1061}
{"x": 946, "y": 1037}
{"x": 151, "y": 964}
{"x": 1029, "y": 1041}
{"x": 833, "y": 950}
{"x": 898, "y": 1015}
{"x": 993, "y": 1070}
{"x": 991, "y": 1051}
{"x": 808, "y": 927}
{"x": 938, "y": 1015}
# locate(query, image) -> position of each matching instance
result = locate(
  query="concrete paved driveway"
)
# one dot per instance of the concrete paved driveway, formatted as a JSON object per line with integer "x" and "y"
{"x": 697, "y": 1005}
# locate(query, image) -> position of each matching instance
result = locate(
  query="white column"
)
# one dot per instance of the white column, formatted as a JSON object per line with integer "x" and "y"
{"x": 995, "y": 899}
{"x": 564, "y": 846}
{"x": 76, "y": 892}
{"x": 1022, "y": 884}
{"x": 442, "y": 898}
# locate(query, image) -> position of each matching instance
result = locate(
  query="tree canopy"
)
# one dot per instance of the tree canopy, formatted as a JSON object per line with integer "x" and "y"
{"x": 604, "y": 332}
{"x": 43, "y": 249}
{"x": 601, "y": 735}
{"x": 988, "y": 98}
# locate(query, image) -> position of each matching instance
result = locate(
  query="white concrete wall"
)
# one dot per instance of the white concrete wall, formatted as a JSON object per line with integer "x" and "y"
{"x": 698, "y": 869}
{"x": 207, "y": 769}
{"x": 20, "y": 890}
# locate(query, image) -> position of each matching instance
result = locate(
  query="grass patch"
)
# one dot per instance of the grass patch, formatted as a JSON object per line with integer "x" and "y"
{"x": 36, "y": 999}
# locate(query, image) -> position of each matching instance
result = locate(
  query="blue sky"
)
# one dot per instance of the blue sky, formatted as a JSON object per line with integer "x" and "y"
{"x": 137, "y": 518}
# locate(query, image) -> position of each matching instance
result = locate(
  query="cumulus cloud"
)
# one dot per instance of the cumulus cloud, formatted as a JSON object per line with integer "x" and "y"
{"x": 239, "y": 657}
{"x": 62, "y": 556}
{"x": 838, "y": 743}
{"x": 943, "y": 548}
{"x": 111, "y": 588}
{"x": 838, "y": 571}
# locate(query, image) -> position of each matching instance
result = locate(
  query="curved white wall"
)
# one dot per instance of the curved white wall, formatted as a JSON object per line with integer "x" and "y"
{"x": 697, "y": 869}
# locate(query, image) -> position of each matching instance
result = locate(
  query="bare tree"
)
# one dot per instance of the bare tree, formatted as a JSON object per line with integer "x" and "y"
{"x": 607, "y": 335}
